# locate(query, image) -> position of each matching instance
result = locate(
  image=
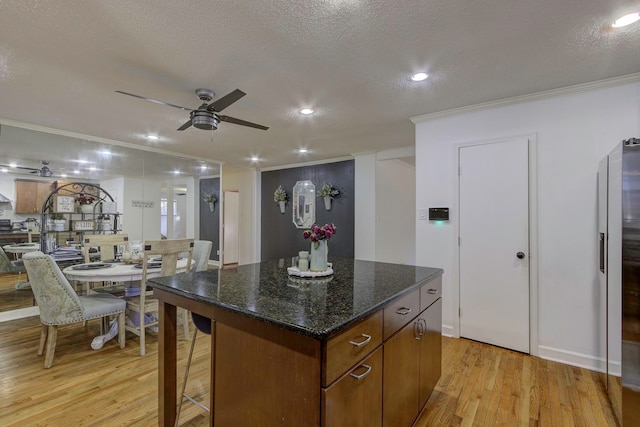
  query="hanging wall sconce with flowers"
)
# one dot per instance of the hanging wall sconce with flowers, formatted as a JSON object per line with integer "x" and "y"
{"x": 211, "y": 199}
{"x": 280, "y": 197}
{"x": 328, "y": 192}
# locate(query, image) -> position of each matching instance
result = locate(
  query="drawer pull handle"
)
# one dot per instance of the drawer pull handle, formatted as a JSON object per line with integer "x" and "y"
{"x": 432, "y": 291}
{"x": 364, "y": 374}
{"x": 366, "y": 340}
{"x": 403, "y": 311}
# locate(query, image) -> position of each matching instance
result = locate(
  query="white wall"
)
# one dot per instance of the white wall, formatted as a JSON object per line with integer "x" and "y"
{"x": 395, "y": 185}
{"x": 245, "y": 182}
{"x": 574, "y": 131}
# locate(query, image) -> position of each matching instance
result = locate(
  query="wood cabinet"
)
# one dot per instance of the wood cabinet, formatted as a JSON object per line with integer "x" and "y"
{"x": 412, "y": 361}
{"x": 356, "y": 399}
{"x": 401, "y": 377}
{"x": 30, "y": 195}
{"x": 430, "y": 350}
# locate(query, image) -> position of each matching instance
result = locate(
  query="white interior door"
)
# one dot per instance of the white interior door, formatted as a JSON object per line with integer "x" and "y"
{"x": 494, "y": 243}
{"x": 230, "y": 227}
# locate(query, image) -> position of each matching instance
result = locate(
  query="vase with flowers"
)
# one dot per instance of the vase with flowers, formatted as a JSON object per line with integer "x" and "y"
{"x": 319, "y": 237}
{"x": 86, "y": 202}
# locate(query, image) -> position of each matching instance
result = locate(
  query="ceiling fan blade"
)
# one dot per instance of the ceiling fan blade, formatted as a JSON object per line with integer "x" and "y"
{"x": 154, "y": 100}
{"x": 241, "y": 122}
{"x": 30, "y": 169}
{"x": 226, "y": 100}
{"x": 186, "y": 125}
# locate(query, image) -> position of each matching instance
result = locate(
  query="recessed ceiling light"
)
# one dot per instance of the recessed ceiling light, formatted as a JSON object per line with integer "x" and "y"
{"x": 93, "y": 169}
{"x": 153, "y": 137}
{"x": 13, "y": 165}
{"x": 626, "y": 20}
{"x": 306, "y": 111}
{"x": 4, "y": 170}
{"x": 303, "y": 150}
{"x": 76, "y": 171}
{"x": 418, "y": 77}
{"x": 255, "y": 158}
{"x": 63, "y": 175}
{"x": 82, "y": 161}
{"x": 203, "y": 167}
{"x": 105, "y": 152}
{"x": 176, "y": 172}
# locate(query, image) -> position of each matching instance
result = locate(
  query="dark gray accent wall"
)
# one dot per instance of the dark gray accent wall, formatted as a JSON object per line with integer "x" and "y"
{"x": 210, "y": 221}
{"x": 280, "y": 238}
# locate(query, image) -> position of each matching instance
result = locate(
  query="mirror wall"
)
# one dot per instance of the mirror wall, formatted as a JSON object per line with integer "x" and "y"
{"x": 158, "y": 195}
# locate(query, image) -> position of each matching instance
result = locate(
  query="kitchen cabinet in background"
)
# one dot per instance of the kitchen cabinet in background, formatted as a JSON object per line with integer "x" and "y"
{"x": 30, "y": 195}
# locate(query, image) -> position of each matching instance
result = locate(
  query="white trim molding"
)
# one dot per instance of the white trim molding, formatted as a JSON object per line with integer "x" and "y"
{"x": 19, "y": 313}
{"x": 572, "y": 358}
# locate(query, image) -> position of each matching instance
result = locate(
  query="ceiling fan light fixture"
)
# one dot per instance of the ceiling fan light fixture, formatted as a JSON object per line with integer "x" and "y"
{"x": 626, "y": 20}
{"x": 204, "y": 119}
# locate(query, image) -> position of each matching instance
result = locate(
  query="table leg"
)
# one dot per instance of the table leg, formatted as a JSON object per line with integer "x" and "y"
{"x": 167, "y": 359}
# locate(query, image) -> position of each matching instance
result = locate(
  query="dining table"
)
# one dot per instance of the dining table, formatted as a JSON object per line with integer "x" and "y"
{"x": 18, "y": 249}
{"x": 115, "y": 271}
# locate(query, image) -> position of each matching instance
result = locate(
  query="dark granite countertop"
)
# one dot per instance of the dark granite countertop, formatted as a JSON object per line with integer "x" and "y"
{"x": 318, "y": 308}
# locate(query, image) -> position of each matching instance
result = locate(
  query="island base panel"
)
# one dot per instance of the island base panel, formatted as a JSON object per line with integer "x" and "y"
{"x": 265, "y": 375}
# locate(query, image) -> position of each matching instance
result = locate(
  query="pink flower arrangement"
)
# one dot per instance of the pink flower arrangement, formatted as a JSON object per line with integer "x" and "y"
{"x": 320, "y": 233}
{"x": 85, "y": 199}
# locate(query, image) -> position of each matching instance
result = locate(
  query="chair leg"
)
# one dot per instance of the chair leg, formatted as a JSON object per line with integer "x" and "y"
{"x": 143, "y": 332}
{"x": 43, "y": 339}
{"x": 121, "y": 330}
{"x": 185, "y": 323}
{"x": 51, "y": 346}
{"x": 186, "y": 375}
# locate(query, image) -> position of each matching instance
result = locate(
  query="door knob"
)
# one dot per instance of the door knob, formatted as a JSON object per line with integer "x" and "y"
{"x": 520, "y": 255}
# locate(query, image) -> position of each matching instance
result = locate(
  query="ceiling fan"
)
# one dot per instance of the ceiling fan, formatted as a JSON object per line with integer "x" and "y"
{"x": 44, "y": 171}
{"x": 206, "y": 116}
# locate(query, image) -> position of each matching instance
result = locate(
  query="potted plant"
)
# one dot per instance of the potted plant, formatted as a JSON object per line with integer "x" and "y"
{"x": 280, "y": 197}
{"x": 328, "y": 192}
{"x": 211, "y": 199}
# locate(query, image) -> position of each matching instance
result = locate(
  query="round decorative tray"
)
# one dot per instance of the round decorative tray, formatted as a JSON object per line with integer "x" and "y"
{"x": 294, "y": 271}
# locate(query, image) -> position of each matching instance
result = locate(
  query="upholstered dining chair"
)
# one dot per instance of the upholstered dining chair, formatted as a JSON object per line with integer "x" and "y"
{"x": 201, "y": 254}
{"x": 60, "y": 305}
{"x": 8, "y": 266}
{"x": 143, "y": 303}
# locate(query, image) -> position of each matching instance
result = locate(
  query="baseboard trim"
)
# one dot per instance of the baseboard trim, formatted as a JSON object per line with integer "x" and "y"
{"x": 572, "y": 358}
{"x": 447, "y": 331}
{"x": 20, "y": 313}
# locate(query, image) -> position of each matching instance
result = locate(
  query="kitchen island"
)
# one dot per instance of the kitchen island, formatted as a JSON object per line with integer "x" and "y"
{"x": 288, "y": 351}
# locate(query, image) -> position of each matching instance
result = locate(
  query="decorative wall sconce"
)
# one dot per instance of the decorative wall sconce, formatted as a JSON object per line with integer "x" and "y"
{"x": 211, "y": 199}
{"x": 328, "y": 192}
{"x": 280, "y": 197}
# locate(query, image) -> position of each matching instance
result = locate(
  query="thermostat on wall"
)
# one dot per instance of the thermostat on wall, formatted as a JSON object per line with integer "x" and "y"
{"x": 438, "y": 214}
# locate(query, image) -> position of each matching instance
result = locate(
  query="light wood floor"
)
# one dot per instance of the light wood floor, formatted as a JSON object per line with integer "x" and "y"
{"x": 481, "y": 385}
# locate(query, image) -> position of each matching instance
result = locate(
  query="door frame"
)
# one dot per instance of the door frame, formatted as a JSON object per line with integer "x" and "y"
{"x": 533, "y": 234}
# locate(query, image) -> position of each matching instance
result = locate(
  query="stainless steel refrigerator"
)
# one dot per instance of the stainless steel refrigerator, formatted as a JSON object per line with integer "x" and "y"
{"x": 619, "y": 237}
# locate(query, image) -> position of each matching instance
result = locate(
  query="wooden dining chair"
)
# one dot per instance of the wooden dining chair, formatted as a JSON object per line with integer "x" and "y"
{"x": 105, "y": 243}
{"x": 169, "y": 250}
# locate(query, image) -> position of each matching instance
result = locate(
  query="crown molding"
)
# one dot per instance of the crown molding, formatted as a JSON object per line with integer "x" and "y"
{"x": 310, "y": 163}
{"x": 599, "y": 84}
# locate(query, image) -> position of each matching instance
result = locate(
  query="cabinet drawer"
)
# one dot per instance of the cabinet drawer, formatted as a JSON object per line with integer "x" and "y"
{"x": 400, "y": 312}
{"x": 430, "y": 292}
{"x": 347, "y": 348}
{"x": 356, "y": 400}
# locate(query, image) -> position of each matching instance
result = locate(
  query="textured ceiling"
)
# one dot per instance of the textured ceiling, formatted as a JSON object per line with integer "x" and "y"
{"x": 61, "y": 61}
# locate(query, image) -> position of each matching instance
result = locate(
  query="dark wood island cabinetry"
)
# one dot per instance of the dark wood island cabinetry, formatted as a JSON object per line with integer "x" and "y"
{"x": 359, "y": 348}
